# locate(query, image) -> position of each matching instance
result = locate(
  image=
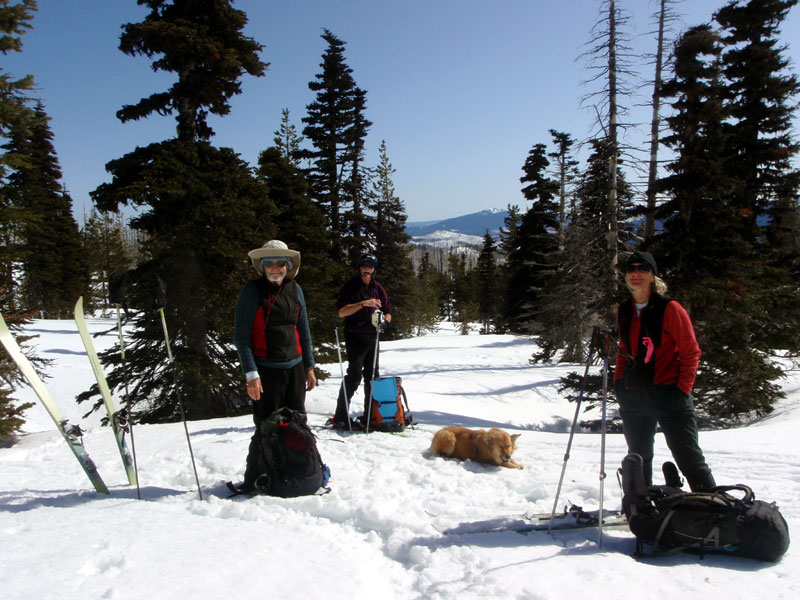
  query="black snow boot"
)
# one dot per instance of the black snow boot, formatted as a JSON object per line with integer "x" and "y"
{"x": 633, "y": 488}
{"x": 672, "y": 476}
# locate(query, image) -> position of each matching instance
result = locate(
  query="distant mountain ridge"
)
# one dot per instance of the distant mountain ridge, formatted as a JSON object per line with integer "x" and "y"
{"x": 473, "y": 224}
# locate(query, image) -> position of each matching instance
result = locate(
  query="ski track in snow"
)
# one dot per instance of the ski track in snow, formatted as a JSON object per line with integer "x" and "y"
{"x": 373, "y": 535}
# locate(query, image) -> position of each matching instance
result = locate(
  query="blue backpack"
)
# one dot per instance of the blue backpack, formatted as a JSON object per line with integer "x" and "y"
{"x": 389, "y": 410}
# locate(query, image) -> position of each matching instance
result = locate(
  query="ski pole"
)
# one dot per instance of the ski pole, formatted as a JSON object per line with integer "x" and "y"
{"x": 601, "y": 339}
{"x": 571, "y": 435}
{"x": 602, "y": 451}
{"x": 180, "y": 399}
{"x": 341, "y": 369}
{"x": 374, "y": 368}
{"x": 128, "y": 401}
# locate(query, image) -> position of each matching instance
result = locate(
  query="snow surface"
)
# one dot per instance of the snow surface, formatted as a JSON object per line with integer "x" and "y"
{"x": 373, "y": 535}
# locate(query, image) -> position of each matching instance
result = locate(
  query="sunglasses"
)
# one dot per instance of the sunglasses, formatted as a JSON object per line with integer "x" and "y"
{"x": 280, "y": 263}
{"x": 641, "y": 267}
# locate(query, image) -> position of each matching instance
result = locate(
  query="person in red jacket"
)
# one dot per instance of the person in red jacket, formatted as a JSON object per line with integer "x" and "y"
{"x": 655, "y": 372}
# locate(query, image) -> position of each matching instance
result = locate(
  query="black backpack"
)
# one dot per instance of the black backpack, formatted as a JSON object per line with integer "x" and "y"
{"x": 723, "y": 520}
{"x": 283, "y": 459}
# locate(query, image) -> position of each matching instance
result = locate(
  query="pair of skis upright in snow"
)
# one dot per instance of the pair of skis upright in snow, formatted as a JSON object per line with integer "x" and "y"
{"x": 72, "y": 433}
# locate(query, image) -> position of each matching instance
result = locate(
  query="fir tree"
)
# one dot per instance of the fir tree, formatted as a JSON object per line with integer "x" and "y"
{"x": 386, "y": 231}
{"x": 424, "y": 310}
{"x": 11, "y": 412}
{"x": 532, "y": 260}
{"x": 761, "y": 102}
{"x": 15, "y": 114}
{"x": 201, "y": 210}
{"x": 731, "y": 133}
{"x": 53, "y": 263}
{"x": 460, "y": 291}
{"x": 287, "y": 141}
{"x": 106, "y": 251}
{"x": 201, "y": 41}
{"x": 487, "y": 285}
{"x": 336, "y": 127}
{"x": 300, "y": 223}
{"x": 566, "y": 173}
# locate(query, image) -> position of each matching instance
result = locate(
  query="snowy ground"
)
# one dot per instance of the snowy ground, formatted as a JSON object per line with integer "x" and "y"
{"x": 372, "y": 536}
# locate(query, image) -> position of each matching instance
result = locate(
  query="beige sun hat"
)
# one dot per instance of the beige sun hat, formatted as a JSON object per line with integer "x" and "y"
{"x": 276, "y": 249}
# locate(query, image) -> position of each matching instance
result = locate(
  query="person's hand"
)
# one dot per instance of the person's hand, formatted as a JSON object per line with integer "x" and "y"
{"x": 254, "y": 389}
{"x": 371, "y": 303}
{"x": 311, "y": 379}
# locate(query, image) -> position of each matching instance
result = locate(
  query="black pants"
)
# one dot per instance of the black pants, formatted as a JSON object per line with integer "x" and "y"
{"x": 361, "y": 349}
{"x": 281, "y": 387}
{"x": 642, "y": 409}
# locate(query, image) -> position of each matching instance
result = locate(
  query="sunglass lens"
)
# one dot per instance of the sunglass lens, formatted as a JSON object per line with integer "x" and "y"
{"x": 642, "y": 268}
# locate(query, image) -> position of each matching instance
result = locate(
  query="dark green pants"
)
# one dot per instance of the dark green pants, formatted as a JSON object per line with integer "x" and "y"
{"x": 643, "y": 409}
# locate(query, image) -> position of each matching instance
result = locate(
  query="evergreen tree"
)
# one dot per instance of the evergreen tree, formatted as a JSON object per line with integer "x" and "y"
{"x": 429, "y": 286}
{"x": 106, "y": 252}
{"x": 53, "y": 263}
{"x": 386, "y": 231}
{"x": 201, "y": 210}
{"x": 201, "y": 41}
{"x": 460, "y": 291}
{"x": 761, "y": 101}
{"x": 566, "y": 172}
{"x": 300, "y": 223}
{"x": 11, "y": 412}
{"x": 731, "y": 134}
{"x": 578, "y": 297}
{"x": 15, "y": 113}
{"x": 336, "y": 127}
{"x": 532, "y": 260}
{"x": 287, "y": 141}
{"x": 487, "y": 285}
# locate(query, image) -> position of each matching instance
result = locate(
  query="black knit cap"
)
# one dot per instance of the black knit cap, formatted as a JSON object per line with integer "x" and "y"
{"x": 643, "y": 257}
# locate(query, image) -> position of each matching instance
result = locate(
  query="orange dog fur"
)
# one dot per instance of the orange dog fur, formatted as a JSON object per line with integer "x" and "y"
{"x": 493, "y": 447}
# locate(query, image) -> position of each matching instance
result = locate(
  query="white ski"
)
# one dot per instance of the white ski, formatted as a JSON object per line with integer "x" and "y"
{"x": 114, "y": 414}
{"x": 572, "y": 518}
{"x": 71, "y": 433}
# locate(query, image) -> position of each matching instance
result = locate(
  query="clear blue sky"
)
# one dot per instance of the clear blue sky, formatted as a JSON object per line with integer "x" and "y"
{"x": 459, "y": 89}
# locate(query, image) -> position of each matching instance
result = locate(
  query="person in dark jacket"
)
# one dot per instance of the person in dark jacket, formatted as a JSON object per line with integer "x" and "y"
{"x": 655, "y": 372}
{"x": 271, "y": 333}
{"x": 360, "y": 298}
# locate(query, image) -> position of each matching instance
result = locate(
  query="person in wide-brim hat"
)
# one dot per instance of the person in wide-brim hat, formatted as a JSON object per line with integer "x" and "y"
{"x": 276, "y": 249}
{"x": 272, "y": 337}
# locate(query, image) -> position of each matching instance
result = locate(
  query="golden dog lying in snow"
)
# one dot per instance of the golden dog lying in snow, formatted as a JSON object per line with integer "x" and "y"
{"x": 493, "y": 447}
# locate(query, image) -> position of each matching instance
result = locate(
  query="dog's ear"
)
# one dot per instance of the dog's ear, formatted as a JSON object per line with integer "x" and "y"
{"x": 514, "y": 438}
{"x": 489, "y": 441}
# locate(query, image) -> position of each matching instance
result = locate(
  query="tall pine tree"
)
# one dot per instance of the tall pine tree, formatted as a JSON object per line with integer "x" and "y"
{"x": 336, "y": 128}
{"x": 531, "y": 261}
{"x": 201, "y": 209}
{"x": 53, "y": 261}
{"x": 15, "y": 113}
{"x": 386, "y": 232}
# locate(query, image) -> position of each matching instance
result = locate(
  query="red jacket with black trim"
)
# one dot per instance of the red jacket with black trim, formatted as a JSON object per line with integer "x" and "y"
{"x": 677, "y": 355}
